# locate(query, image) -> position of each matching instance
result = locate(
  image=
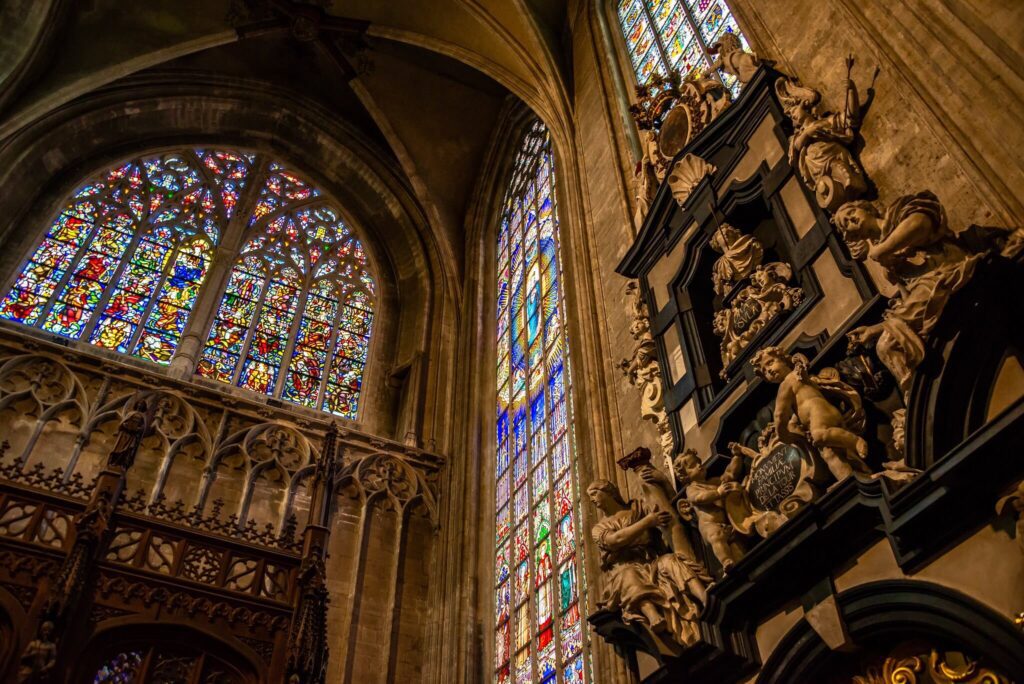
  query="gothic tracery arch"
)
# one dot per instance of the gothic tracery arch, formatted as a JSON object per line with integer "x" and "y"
{"x": 128, "y": 259}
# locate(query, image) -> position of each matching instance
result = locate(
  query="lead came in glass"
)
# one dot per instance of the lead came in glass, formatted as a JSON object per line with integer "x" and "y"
{"x": 672, "y": 35}
{"x": 123, "y": 264}
{"x": 534, "y": 477}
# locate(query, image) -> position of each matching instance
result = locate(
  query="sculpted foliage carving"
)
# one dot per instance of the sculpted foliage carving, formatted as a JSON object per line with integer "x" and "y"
{"x": 754, "y": 293}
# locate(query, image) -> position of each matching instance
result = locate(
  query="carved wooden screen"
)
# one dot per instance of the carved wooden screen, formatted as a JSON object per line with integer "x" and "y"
{"x": 539, "y": 580}
{"x": 675, "y": 35}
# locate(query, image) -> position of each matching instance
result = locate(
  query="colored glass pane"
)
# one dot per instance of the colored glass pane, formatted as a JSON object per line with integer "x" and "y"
{"x": 502, "y": 599}
{"x": 123, "y": 263}
{"x": 297, "y": 314}
{"x": 120, "y": 669}
{"x": 534, "y": 431}
{"x": 673, "y": 35}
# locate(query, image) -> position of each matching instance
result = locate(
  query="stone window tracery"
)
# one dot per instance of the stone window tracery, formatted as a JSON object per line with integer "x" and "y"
{"x": 130, "y": 257}
{"x": 676, "y": 35}
{"x": 539, "y": 578}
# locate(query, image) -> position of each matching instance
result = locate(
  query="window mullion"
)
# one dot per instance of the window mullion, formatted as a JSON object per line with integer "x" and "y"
{"x": 293, "y": 333}
{"x": 257, "y": 313}
{"x": 699, "y": 37}
{"x": 122, "y": 264}
{"x": 644, "y": 6}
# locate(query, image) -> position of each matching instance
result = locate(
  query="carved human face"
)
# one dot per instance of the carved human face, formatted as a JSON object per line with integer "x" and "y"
{"x": 601, "y": 499}
{"x": 692, "y": 467}
{"x": 857, "y": 222}
{"x": 775, "y": 368}
{"x": 638, "y": 327}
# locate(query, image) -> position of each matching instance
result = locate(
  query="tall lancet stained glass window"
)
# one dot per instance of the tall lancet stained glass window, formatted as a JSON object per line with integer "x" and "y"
{"x": 675, "y": 35}
{"x": 539, "y": 581}
{"x": 122, "y": 263}
{"x": 296, "y": 316}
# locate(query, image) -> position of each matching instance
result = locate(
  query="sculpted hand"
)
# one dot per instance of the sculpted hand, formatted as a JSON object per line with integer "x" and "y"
{"x": 859, "y": 249}
{"x": 861, "y": 337}
{"x": 727, "y": 487}
{"x": 650, "y": 476}
{"x": 659, "y": 519}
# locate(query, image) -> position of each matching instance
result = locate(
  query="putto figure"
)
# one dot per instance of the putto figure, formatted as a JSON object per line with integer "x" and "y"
{"x": 706, "y": 501}
{"x": 801, "y": 399}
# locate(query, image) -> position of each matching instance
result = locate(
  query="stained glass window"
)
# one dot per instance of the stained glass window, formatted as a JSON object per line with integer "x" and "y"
{"x": 121, "y": 669}
{"x": 123, "y": 262}
{"x": 674, "y": 35}
{"x": 296, "y": 316}
{"x": 539, "y": 581}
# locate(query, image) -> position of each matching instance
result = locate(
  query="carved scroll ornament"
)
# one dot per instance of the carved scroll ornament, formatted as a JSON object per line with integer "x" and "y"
{"x": 935, "y": 667}
{"x": 766, "y": 293}
{"x": 644, "y": 373}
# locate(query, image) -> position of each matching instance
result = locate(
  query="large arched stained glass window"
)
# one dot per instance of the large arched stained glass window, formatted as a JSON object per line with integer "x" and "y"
{"x": 123, "y": 262}
{"x": 122, "y": 265}
{"x": 296, "y": 316}
{"x": 674, "y": 35}
{"x": 539, "y": 579}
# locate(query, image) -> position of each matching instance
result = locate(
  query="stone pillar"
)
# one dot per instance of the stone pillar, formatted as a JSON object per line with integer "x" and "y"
{"x": 190, "y": 347}
{"x": 307, "y": 639}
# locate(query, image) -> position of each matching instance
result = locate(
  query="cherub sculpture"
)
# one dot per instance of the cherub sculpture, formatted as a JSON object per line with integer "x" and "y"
{"x": 636, "y": 575}
{"x": 923, "y": 258}
{"x": 733, "y": 59}
{"x": 820, "y": 146}
{"x": 706, "y": 501}
{"x": 741, "y": 254}
{"x": 801, "y": 400}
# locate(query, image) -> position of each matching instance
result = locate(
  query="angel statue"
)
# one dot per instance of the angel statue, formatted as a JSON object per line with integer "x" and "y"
{"x": 802, "y": 399}
{"x": 925, "y": 259}
{"x": 731, "y": 58}
{"x": 820, "y": 146}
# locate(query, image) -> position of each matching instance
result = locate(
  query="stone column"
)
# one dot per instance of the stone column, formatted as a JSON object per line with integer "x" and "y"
{"x": 190, "y": 347}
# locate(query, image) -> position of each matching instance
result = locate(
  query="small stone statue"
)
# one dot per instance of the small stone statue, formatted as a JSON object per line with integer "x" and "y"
{"x": 733, "y": 59}
{"x": 39, "y": 658}
{"x": 801, "y": 398}
{"x": 636, "y": 578}
{"x": 820, "y": 146}
{"x": 922, "y": 257}
{"x": 650, "y": 171}
{"x": 129, "y": 435}
{"x": 705, "y": 500}
{"x": 1014, "y": 503}
{"x": 741, "y": 254}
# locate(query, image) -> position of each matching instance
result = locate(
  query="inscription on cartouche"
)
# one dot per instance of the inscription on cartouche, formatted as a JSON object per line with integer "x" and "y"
{"x": 775, "y": 478}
